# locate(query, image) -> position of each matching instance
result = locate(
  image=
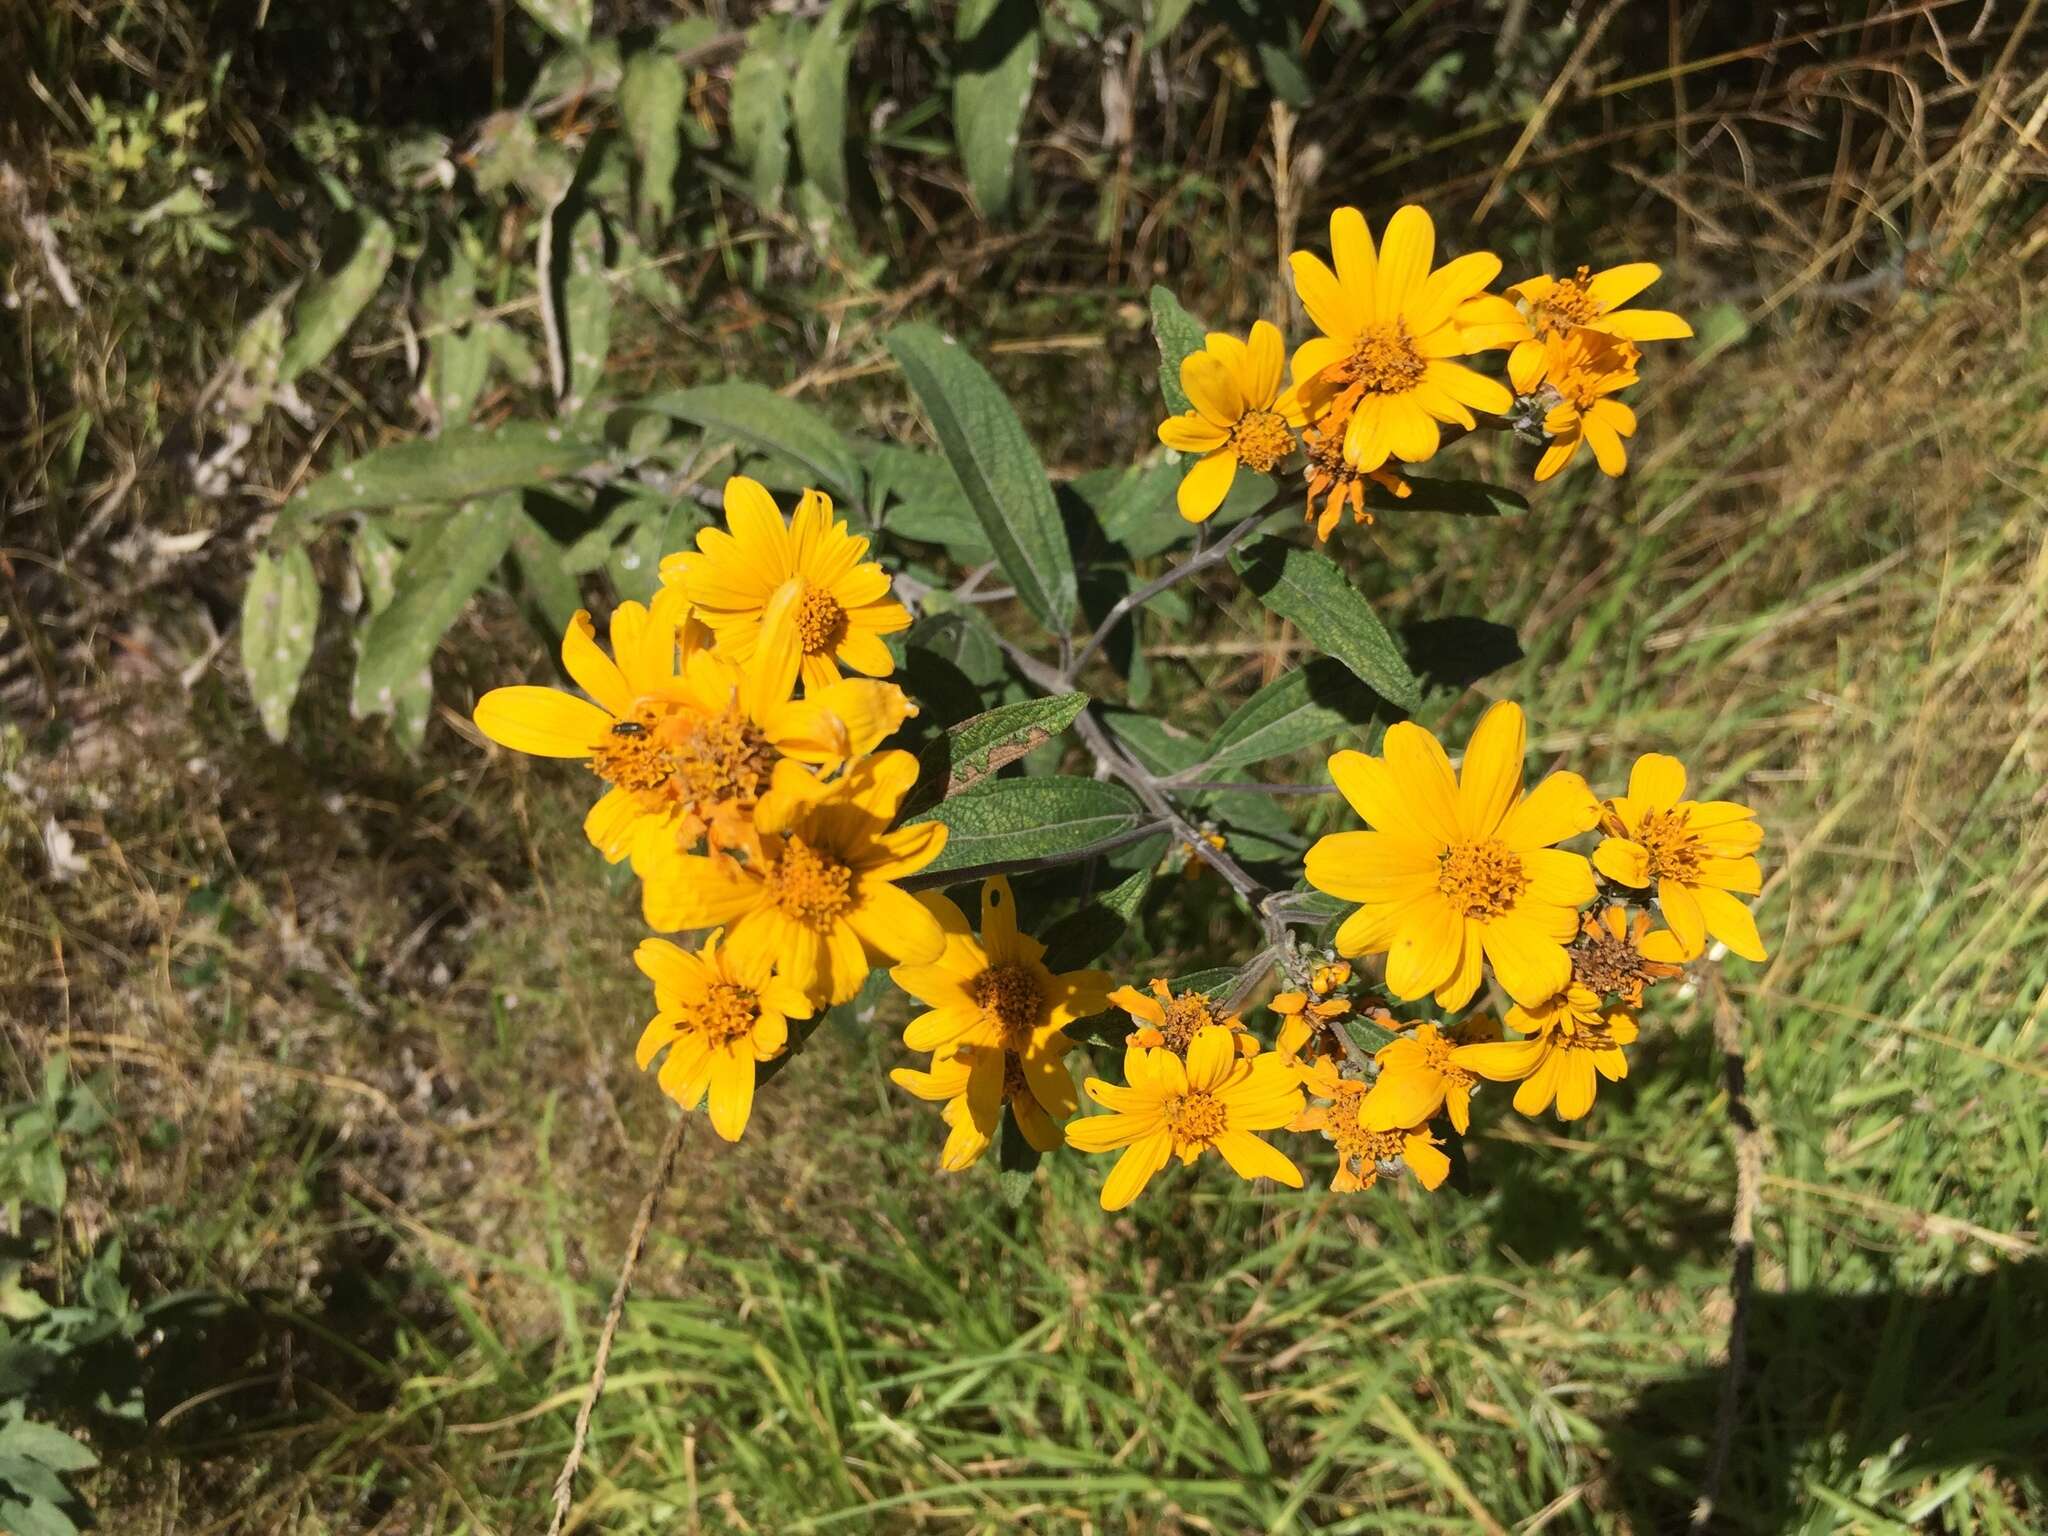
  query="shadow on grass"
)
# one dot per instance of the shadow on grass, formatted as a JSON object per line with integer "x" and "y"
{"x": 1880, "y": 1394}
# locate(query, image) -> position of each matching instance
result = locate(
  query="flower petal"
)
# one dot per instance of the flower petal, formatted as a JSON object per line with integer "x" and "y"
{"x": 1490, "y": 778}
{"x": 1731, "y": 922}
{"x": 1265, "y": 365}
{"x": 1529, "y": 965}
{"x": 1206, "y": 483}
{"x": 1617, "y": 285}
{"x": 1212, "y": 388}
{"x": 1423, "y": 774}
{"x": 1251, "y": 1158}
{"x": 1619, "y": 859}
{"x": 1657, "y": 780}
{"x": 1681, "y": 908}
{"x": 1191, "y": 432}
{"x": 1561, "y": 806}
{"x": 1134, "y": 1170}
{"x": 544, "y": 722}
{"x": 1407, "y": 247}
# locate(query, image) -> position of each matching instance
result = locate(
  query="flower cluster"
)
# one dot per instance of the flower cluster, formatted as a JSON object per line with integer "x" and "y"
{"x": 1382, "y": 381}
{"x": 744, "y": 783}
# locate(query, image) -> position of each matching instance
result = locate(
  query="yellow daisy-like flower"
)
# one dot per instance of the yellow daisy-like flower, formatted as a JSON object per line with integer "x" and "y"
{"x": 996, "y": 991}
{"x": 1361, "y": 1150}
{"x": 1554, "y": 306}
{"x": 1583, "y": 368}
{"x": 1383, "y": 364}
{"x": 1167, "y": 1022}
{"x": 1420, "y": 1074}
{"x": 717, "y": 1015}
{"x": 821, "y": 901}
{"x": 1458, "y": 866}
{"x": 1169, "y": 1108}
{"x": 1698, "y": 854}
{"x": 974, "y": 1082}
{"x": 1618, "y": 956}
{"x": 808, "y": 573}
{"x": 1572, "y": 1044}
{"x": 1233, "y": 386}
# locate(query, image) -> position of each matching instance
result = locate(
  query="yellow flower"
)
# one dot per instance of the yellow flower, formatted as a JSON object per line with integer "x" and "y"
{"x": 1583, "y": 368}
{"x": 1170, "y": 1023}
{"x": 1167, "y": 1108}
{"x": 1695, "y": 852}
{"x": 821, "y": 901}
{"x": 1337, "y": 484}
{"x": 974, "y": 1082}
{"x": 1382, "y": 366}
{"x": 1617, "y": 957}
{"x": 1361, "y": 1150}
{"x": 1458, "y": 867}
{"x": 1419, "y": 1074}
{"x": 807, "y": 574}
{"x": 1572, "y": 1045}
{"x": 997, "y": 992}
{"x": 1233, "y": 387}
{"x": 717, "y": 1015}
{"x": 1553, "y": 306}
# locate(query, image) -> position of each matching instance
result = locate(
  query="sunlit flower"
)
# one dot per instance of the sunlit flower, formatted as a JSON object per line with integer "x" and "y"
{"x": 1697, "y": 854}
{"x": 1617, "y": 956}
{"x": 1458, "y": 866}
{"x": 1583, "y": 369}
{"x": 1169, "y": 1108}
{"x": 996, "y": 992}
{"x": 1170, "y": 1023}
{"x": 1572, "y": 1044}
{"x": 974, "y": 1082}
{"x": 1363, "y": 1153}
{"x": 821, "y": 901}
{"x": 1553, "y": 306}
{"x": 808, "y": 574}
{"x": 1382, "y": 367}
{"x": 1420, "y": 1073}
{"x": 1232, "y": 386}
{"x": 717, "y": 1015}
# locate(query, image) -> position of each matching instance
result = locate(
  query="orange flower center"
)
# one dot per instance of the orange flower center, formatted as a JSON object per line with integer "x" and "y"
{"x": 1570, "y": 303}
{"x": 1009, "y": 995}
{"x": 1436, "y": 1057}
{"x": 820, "y": 622}
{"x": 1384, "y": 361}
{"x": 809, "y": 886}
{"x": 1611, "y": 965}
{"x": 1184, "y": 1015}
{"x": 728, "y": 1013}
{"x": 1482, "y": 880}
{"x": 1675, "y": 849}
{"x": 724, "y": 757}
{"x": 1195, "y": 1119}
{"x": 1261, "y": 439}
{"x": 631, "y": 754}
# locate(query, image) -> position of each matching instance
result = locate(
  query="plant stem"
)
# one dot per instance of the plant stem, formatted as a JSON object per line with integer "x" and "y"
{"x": 1199, "y": 561}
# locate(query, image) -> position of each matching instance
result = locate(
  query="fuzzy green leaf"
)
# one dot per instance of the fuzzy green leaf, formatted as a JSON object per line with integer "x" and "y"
{"x": 280, "y": 615}
{"x": 330, "y": 303}
{"x": 1315, "y": 705}
{"x": 1018, "y": 821}
{"x": 991, "y": 92}
{"x": 462, "y": 464}
{"x": 821, "y": 104}
{"x": 760, "y": 115}
{"x": 440, "y": 572}
{"x": 586, "y": 308}
{"x": 42, "y": 1443}
{"x": 651, "y": 104}
{"x": 998, "y": 468}
{"x": 1179, "y": 333}
{"x": 755, "y": 414}
{"x": 978, "y": 747}
{"x": 1093, "y": 930}
{"x": 1307, "y": 587}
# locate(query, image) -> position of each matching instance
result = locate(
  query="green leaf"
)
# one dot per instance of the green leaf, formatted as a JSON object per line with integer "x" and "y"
{"x": 651, "y": 104}
{"x": 1166, "y": 15}
{"x": 280, "y": 616}
{"x": 329, "y": 304}
{"x": 1367, "y": 1035}
{"x": 1315, "y": 705}
{"x": 460, "y": 465}
{"x": 1179, "y": 333}
{"x": 1462, "y": 498}
{"x": 458, "y": 352}
{"x": 1307, "y": 587}
{"x": 50, "y": 1446}
{"x": 821, "y": 104}
{"x": 759, "y": 114}
{"x": 1015, "y": 821}
{"x": 952, "y": 524}
{"x": 1016, "y": 1160}
{"x": 978, "y": 747}
{"x": 441, "y": 571}
{"x": 567, "y": 19}
{"x": 755, "y": 414}
{"x": 586, "y": 308}
{"x": 1093, "y": 930}
{"x": 998, "y": 469}
{"x": 550, "y": 588}
{"x": 991, "y": 92}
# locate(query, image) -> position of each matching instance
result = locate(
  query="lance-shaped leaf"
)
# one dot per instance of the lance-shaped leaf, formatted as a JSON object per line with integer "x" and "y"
{"x": 651, "y": 104}
{"x": 586, "y": 308}
{"x": 1308, "y": 588}
{"x": 1031, "y": 821}
{"x": 462, "y": 464}
{"x": 1315, "y": 705}
{"x": 329, "y": 304}
{"x": 280, "y": 613}
{"x": 755, "y": 414}
{"x": 759, "y": 115}
{"x": 440, "y": 572}
{"x": 567, "y": 19}
{"x": 1093, "y": 929}
{"x": 983, "y": 744}
{"x": 991, "y": 90}
{"x": 1178, "y": 333}
{"x": 998, "y": 469}
{"x": 821, "y": 104}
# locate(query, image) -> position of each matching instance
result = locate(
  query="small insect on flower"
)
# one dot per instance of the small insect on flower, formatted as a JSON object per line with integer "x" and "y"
{"x": 629, "y": 728}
